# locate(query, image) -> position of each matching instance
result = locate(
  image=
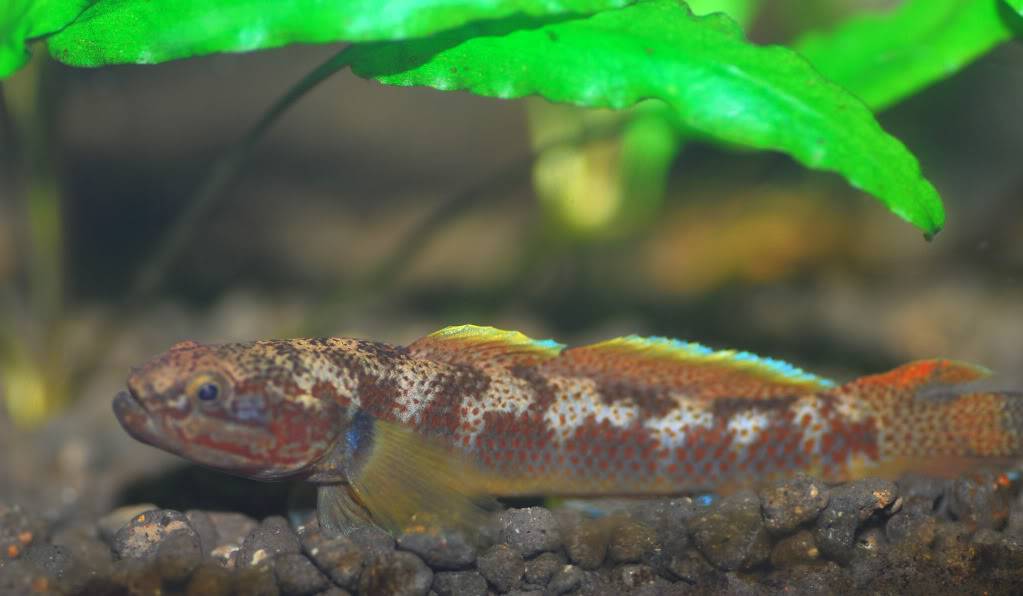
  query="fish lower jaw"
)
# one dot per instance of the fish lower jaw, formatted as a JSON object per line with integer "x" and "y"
{"x": 135, "y": 418}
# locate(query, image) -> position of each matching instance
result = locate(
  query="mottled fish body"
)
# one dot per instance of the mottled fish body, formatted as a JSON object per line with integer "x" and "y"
{"x": 390, "y": 432}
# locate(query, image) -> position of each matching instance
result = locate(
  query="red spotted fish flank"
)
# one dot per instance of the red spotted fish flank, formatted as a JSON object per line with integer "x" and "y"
{"x": 631, "y": 415}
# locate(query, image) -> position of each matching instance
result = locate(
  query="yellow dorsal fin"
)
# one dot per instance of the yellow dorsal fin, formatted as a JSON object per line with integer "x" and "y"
{"x": 673, "y": 365}
{"x": 482, "y": 346}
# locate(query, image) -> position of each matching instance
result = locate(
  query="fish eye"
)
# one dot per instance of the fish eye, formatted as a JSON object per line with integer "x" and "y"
{"x": 207, "y": 387}
{"x": 208, "y": 391}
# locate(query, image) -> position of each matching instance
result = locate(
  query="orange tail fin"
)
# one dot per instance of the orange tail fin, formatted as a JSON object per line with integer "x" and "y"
{"x": 931, "y": 421}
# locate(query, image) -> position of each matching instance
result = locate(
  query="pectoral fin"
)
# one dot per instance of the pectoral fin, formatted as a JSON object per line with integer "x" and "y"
{"x": 407, "y": 480}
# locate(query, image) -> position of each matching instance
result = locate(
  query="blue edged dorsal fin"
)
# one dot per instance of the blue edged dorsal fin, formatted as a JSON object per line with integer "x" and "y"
{"x": 483, "y": 346}
{"x": 670, "y": 364}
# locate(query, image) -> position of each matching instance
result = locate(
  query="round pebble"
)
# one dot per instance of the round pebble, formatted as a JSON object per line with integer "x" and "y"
{"x": 210, "y": 579}
{"x": 565, "y": 580}
{"x": 110, "y": 523}
{"x": 440, "y": 550}
{"x": 540, "y": 569}
{"x": 586, "y": 543}
{"x": 980, "y": 501}
{"x": 258, "y": 580}
{"x": 178, "y": 556}
{"x": 203, "y": 526}
{"x": 297, "y": 576}
{"x": 531, "y": 531}
{"x": 797, "y": 549}
{"x": 136, "y": 576}
{"x": 630, "y": 542}
{"x": 849, "y": 507}
{"x": 731, "y": 533}
{"x": 502, "y": 566}
{"x": 273, "y": 537}
{"x": 339, "y": 557}
{"x": 459, "y": 583}
{"x": 231, "y": 528}
{"x": 373, "y": 541}
{"x": 399, "y": 573}
{"x": 792, "y": 503}
{"x": 633, "y": 577}
{"x": 142, "y": 536}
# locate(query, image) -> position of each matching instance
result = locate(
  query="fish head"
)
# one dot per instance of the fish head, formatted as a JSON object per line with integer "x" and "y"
{"x": 233, "y": 407}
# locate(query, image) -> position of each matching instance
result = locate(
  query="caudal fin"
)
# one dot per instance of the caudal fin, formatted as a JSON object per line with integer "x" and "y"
{"x": 930, "y": 420}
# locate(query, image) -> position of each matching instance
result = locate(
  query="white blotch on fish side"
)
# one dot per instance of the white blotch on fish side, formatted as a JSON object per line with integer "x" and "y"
{"x": 809, "y": 408}
{"x": 579, "y": 399}
{"x": 745, "y": 427}
{"x": 506, "y": 394}
{"x": 671, "y": 429}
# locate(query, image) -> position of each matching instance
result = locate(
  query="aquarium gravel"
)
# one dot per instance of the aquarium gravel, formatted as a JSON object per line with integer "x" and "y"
{"x": 796, "y": 536}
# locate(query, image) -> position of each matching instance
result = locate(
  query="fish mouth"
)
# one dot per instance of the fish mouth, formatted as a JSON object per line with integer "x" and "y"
{"x": 135, "y": 418}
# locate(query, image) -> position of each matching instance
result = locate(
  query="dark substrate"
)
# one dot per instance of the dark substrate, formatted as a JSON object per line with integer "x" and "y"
{"x": 798, "y": 536}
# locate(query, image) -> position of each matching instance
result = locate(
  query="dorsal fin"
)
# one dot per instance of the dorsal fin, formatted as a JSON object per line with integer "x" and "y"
{"x": 669, "y": 364}
{"x": 483, "y": 346}
{"x": 922, "y": 374}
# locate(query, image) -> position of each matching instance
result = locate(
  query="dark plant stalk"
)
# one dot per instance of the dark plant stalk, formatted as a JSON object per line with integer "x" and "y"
{"x": 152, "y": 273}
{"x": 224, "y": 170}
{"x": 28, "y": 116}
{"x": 8, "y": 149}
{"x": 8, "y": 139}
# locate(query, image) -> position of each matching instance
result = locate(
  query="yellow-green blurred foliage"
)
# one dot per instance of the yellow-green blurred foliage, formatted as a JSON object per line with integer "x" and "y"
{"x": 606, "y": 187}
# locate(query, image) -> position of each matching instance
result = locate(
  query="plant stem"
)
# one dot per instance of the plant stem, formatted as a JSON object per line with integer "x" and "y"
{"x": 35, "y": 353}
{"x": 224, "y": 170}
{"x": 152, "y": 273}
{"x": 8, "y": 137}
{"x": 227, "y": 166}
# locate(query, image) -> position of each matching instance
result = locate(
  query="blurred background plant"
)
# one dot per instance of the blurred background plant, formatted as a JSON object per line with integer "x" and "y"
{"x": 131, "y": 219}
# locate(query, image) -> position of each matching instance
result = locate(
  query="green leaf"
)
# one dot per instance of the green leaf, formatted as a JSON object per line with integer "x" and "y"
{"x": 611, "y": 187}
{"x": 883, "y": 58}
{"x": 151, "y": 31}
{"x": 762, "y": 97}
{"x": 24, "y": 20}
{"x": 741, "y": 11}
{"x": 1016, "y": 5}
